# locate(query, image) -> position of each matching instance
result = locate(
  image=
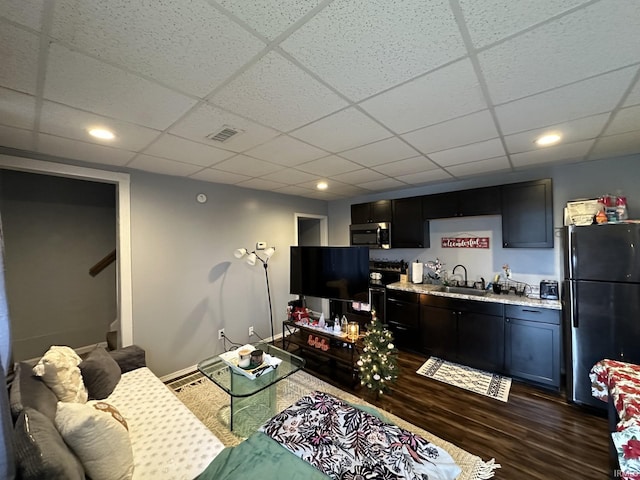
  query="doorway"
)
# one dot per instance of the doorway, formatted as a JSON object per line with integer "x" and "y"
{"x": 312, "y": 230}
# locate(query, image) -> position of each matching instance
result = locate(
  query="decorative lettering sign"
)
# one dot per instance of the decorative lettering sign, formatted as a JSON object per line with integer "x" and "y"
{"x": 465, "y": 242}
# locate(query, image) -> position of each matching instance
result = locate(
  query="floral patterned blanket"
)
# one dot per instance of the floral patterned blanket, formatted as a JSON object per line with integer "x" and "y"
{"x": 347, "y": 443}
{"x": 621, "y": 381}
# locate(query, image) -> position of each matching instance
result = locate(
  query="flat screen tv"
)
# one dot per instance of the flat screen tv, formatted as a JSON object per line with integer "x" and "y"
{"x": 336, "y": 273}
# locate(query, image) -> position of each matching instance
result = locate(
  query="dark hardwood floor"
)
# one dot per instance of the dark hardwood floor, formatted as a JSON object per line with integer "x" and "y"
{"x": 536, "y": 435}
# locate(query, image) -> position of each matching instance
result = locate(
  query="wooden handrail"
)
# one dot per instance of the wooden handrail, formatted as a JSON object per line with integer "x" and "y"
{"x": 102, "y": 264}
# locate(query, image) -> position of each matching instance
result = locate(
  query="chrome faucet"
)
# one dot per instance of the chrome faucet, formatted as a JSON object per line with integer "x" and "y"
{"x": 453, "y": 272}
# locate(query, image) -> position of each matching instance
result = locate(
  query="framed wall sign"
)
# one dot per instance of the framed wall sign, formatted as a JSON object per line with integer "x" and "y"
{"x": 465, "y": 242}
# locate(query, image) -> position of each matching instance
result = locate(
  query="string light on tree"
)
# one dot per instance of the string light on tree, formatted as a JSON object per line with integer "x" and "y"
{"x": 378, "y": 363}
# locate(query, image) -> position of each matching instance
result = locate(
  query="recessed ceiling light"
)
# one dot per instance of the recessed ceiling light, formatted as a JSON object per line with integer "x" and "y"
{"x": 322, "y": 185}
{"x": 549, "y": 139}
{"x": 102, "y": 134}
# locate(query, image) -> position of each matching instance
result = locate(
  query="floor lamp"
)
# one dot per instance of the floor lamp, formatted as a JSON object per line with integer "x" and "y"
{"x": 252, "y": 257}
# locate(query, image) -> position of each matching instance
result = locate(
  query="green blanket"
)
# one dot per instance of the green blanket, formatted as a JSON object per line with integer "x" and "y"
{"x": 260, "y": 457}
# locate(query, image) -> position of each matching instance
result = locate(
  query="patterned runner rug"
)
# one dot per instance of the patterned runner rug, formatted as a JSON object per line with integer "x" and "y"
{"x": 211, "y": 405}
{"x": 477, "y": 381}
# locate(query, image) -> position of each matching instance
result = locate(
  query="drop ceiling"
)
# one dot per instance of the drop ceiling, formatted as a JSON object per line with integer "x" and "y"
{"x": 367, "y": 95}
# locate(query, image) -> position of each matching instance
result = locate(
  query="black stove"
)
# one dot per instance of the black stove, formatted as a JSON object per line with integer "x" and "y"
{"x": 389, "y": 271}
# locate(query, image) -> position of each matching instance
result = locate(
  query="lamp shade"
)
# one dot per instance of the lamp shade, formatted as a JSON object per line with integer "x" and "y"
{"x": 240, "y": 252}
{"x": 251, "y": 259}
{"x": 269, "y": 251}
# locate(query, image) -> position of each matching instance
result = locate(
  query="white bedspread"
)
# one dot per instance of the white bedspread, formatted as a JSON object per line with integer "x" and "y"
{"x": 168, "y": 441}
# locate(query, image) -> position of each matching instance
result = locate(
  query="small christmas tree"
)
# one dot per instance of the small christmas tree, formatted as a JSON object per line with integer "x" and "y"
{"x": 378, "y": 362}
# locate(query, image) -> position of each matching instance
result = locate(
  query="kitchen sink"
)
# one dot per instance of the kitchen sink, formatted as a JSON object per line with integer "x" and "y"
{"x": 464, "y": 291}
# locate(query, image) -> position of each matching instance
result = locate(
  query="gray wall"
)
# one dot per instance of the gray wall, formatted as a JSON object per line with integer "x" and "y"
{"x": 55, "y": 230}
{"x": 186, "y": 282}
{"x": 570, "y": 182}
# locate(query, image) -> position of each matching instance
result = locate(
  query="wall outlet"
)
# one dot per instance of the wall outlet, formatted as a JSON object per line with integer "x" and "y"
{"x": 221, "y": 334}
{"x": 251, "y": 331}
{"x": 261, "y": 245}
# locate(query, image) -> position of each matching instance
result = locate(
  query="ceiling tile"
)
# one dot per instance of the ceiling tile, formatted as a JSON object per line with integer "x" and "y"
{"x": 244, "y": 165}
{"x": 380, "y": 152}
{"x": 589, "y": 97}
{"x": 19, "y": 53}
{"x": 345, "y": 190}
{"x": 176, "y": 148}
{"x": 564, "y": 152}
{"x": 425, "y": 177}
{"x": 573, "y": 131}
{"x": 616, "y": 145}
{"x": 86, "y": 152}
{"x": 453, "y": 133}
{"x": 406, "y": 167}
{"x": 634, "y": 95}
{"x": 276, "y": 92}
{"x": 68, "y": 122}
{"x": 285, "y": 150}
{"x": 25, "y": 13}
{"x": 564, "y": 51}
{"x": 96, "y": 84}
{"x": 294, "y": 190}
{"x": 17, "y": 109}
{"x": 329, "y": 166}
{"x": 261, "y": 184}
{"x": 491, "y": 20}
{"x": 218, "y": 176}
{"x": 163, "y": 166}
{"x": 269, "y": 17}
{"x": 206, "y": 119}
{"x": 428, "y": 99}
{"x": 290, "y": 176}
{"x": 469, "y": 153}
{"x": 383, "y": 184}
{"x": 480, "y": 167}
{"x": 16, "y": 138}
{"x": 626, "y": 120}
{"x": 362, "y": 47}
{"x": 359, "y": 176}
{"x": 161, "y": 40}
{"x": 341, "y": 131}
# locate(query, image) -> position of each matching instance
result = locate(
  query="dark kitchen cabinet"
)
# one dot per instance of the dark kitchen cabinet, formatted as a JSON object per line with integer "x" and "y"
{"x": 403, "y": 318}
{"x": 408, "y": 229}
{"x": 463, "y": 331}
{"x": 532, "y": 344}
{"x": 371, "y": 212}
{"x": 527, "y": 214}
{"x": 438, "y": 332}
{"x": 462, "y": 203}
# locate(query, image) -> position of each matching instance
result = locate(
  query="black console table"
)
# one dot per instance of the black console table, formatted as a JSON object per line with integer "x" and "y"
{"x": 331, "y": 355}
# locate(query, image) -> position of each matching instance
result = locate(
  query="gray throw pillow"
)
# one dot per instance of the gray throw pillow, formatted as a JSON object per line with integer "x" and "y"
{"x": 41, "y": 451}
{"x": 129, "y": 358}
{"x": 27, "y": 390}
{"x": 100, "y": 374}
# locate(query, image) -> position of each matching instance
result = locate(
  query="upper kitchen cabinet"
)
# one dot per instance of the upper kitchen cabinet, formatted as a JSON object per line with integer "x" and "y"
{"x": 463, "y": 203}
{"x": 527, "y": 214}
{"x": 371, "y": 212}
{"x": 408, "y": 229}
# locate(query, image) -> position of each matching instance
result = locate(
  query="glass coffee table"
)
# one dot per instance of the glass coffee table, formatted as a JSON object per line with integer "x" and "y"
{"x": 253, "y": 401}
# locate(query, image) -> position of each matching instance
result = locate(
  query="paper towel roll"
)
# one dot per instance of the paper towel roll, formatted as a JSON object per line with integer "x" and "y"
{"x": 416, "y": 272}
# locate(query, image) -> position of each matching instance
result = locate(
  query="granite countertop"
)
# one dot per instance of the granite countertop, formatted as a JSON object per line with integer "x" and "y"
{"x": 510, "y": 299}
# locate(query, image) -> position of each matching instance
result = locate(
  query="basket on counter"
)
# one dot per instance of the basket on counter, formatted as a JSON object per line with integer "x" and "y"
{"x": 511, "y": 286}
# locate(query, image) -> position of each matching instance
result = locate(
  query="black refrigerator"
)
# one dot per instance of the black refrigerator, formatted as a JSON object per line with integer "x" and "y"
{"x": 601, "y": 301}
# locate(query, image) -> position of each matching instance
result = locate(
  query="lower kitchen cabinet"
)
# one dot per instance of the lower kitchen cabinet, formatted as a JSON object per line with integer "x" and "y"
{"x": 532, "y": 344}
{"x": 463, "y": 331}
{"x": 403, "y": 318}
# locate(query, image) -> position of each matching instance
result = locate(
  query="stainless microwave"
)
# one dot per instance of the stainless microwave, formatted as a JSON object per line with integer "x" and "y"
{"x": 372, "y": 235}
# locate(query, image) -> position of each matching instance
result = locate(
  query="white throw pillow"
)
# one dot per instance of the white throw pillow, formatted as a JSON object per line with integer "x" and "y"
{"x": 98, "y": 438}
{"x": 59, "y": 369}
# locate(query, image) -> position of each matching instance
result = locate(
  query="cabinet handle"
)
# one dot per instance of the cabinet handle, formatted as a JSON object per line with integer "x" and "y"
{"x": 531, "y": 311}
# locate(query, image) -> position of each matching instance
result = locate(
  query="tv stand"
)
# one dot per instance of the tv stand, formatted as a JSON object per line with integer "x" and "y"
{"x": 330, "y": 355}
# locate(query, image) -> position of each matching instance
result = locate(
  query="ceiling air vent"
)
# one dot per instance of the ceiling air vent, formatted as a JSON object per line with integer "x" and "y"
{"x": 224, "y": 134}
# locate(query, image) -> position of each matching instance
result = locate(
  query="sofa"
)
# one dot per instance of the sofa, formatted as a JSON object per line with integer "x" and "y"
{"x": 108, "y": 417}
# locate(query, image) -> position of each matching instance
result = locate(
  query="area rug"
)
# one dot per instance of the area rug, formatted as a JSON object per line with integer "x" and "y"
{"x": 477, "y": 381}
{"x": 211, "y": 405}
